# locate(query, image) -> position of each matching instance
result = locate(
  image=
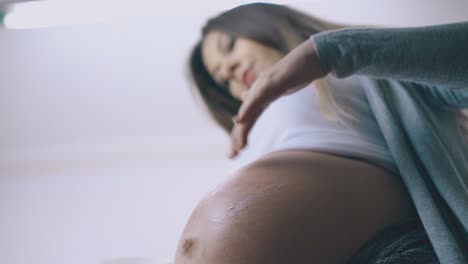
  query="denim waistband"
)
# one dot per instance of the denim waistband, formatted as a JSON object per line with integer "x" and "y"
{"x": 405, "y": 242}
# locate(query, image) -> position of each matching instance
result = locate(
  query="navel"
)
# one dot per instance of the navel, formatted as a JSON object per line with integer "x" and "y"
{"x": 188, "y": 246}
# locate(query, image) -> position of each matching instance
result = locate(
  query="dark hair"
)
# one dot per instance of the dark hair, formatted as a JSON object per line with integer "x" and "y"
{"x": 272, "y": 25}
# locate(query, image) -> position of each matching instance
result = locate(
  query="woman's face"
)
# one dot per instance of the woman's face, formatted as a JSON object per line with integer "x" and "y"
{"x": 236, "y": 62}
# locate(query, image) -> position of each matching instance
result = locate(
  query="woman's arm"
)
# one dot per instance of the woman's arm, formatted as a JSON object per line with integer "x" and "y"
{"x": 435, "y": 55}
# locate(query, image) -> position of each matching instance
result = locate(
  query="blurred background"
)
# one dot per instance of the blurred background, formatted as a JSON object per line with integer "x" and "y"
{"x": 103, "y": 150}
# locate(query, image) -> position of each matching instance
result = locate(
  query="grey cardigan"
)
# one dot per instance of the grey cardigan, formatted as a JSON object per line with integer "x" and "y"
{"x": 415, "y": 79}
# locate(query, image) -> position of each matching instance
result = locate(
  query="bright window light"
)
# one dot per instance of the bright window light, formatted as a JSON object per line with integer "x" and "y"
{"x": 54, "y": 13}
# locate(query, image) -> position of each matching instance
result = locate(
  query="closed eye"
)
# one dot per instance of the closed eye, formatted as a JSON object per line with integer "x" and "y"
{"x": 231, "y": 43}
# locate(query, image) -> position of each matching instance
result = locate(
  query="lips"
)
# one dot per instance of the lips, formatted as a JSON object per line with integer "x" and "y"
{"x": 248, "y": 77}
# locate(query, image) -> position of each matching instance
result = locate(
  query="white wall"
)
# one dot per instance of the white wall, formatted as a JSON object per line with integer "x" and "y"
{"x": 103, "y": 152}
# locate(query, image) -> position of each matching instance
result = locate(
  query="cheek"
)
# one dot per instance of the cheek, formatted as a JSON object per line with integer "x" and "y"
{"x": 273, "y": 57}
{"x": 263, "y": 60}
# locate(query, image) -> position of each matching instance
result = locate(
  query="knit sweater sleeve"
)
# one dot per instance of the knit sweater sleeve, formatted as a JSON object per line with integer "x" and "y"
{"x": 432, "y": 55}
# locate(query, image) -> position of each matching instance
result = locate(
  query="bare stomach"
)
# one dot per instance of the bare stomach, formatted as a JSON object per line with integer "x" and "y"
{"x": 296, "y": 207}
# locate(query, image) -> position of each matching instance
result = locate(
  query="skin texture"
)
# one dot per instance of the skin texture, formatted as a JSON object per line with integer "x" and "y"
{"x": 293, "y": 207}
{"x": 227, "y": 58}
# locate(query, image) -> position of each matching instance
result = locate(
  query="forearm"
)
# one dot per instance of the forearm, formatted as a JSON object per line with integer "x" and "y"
{"x": 436, "y": 55}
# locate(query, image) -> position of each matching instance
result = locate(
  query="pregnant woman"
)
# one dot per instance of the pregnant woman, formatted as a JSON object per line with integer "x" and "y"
{"x": 332, "y": 168}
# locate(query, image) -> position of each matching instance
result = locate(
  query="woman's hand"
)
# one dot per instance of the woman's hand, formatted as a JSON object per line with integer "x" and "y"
{"x": 294, "y": 71}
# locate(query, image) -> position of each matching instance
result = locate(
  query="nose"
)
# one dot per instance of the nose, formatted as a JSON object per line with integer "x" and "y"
{"x": 228, "y": 69}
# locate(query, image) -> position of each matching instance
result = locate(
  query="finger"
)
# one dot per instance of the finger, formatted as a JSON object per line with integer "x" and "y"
{"x": 244, "y": 95}
{"x": 232, "y": 154}
{"x": 251, "y": 104}
{"x": 240, "y": 133}
{"x": 243, "y": 135}
{"x": 235, "y": 120}
{"x": 239, "y": 137}
{"x": 249, "y": 119}
{"x": 234, "y": 140}
{"x": 247, "y": 109}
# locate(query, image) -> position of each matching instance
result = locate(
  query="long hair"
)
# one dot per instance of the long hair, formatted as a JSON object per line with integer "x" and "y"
{"x": 276, "y": 26}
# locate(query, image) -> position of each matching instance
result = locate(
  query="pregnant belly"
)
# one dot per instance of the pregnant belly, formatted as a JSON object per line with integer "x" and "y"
{"x": 296, "y": 207}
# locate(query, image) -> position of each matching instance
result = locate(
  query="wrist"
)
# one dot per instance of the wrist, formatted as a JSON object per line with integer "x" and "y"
{"x": 320, "y": 65}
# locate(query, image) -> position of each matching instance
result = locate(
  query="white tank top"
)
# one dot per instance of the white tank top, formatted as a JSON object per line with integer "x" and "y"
{"x": 294, "y": 122}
